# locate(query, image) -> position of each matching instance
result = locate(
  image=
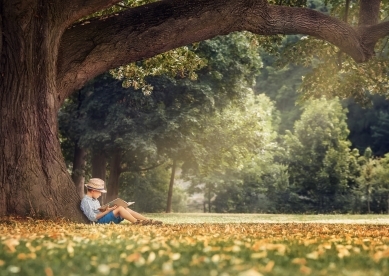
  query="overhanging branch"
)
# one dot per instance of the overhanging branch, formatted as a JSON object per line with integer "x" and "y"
{"x": 74, "y": 10}
{"x": 138, "y": 33}
{"x": 92, "y": 48}
{"x": 375, "y": 32}
{"x": 287, "y": 20}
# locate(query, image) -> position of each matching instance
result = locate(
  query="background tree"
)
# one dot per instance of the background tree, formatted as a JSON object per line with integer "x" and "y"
{"x": 383, "y": 174}
{"x": 260, "y": 186}
{"x": 147, "y": 188}
{"x": 280, "y": 82}
{"x": 320, "y": 156}
{"x": 367, "y": 130}
{"x": 369, "y": 178}
{"x": 228, "y": 141}
{"x": 380, "y": 133}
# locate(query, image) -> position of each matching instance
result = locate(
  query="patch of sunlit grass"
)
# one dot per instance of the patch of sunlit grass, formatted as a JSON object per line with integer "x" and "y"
{"x": 40, "y": 247}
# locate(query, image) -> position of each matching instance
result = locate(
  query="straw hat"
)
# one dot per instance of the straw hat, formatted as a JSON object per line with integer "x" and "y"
{"x": 96, "y": 184}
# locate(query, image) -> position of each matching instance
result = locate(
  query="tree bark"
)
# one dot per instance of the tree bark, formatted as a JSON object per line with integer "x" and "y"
{"x": 171, "y": 184}
{"x": 369, "y": 12}
{"x": 78, "y": 173}
{"x": 114, "y": 174}
{"x": 209, "y": 199}
{"x": 368, "y": 198}
{"x": 99, "y": 169}
{"x": 33, "y": 177}
{"x": 99, "y": 162}
{"x": 387, "y": 206}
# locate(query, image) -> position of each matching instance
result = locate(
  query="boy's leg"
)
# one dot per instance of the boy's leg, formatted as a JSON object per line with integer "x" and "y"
{"x": 135, "y": 214}
{"x": 124, "y": 213}
{"x": 143, "y": 218}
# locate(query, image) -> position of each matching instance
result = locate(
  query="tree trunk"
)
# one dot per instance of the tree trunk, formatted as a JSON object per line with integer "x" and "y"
{"x": 98, "y": 162}
{"x": 387, "y": 207}
{"x": 368, "y": 198}
{"x": 99, "y": 169}
{"x": 209, "y": 199}
{"x": 171, "y": 184}
{"x": 114, "y": 174}
{"x": 34, "y": 179}
{"x": 78, "y": 173}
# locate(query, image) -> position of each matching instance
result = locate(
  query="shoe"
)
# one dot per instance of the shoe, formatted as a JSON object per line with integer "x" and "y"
{"x": 143, "y": 222}
{"x": 155, "y": 222}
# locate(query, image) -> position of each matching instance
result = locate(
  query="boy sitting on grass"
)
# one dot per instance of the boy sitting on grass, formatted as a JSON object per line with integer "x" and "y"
{"x": 116, "y": 214}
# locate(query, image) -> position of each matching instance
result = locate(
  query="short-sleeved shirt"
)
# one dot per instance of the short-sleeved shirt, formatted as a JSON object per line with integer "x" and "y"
{"x": 90, "y": 206}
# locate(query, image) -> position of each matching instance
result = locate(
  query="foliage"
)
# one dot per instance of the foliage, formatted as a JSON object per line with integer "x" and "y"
{"x": 179, "y": 200}
{"x": 319, "y": 156}
{"x": 147, "y": 188}
{"x": 280, "y": 83}
{"x": 366, "y": 127}
{"x": 380, "y": 133}
{"x": 335, "y": 74}
{"x": 106, "y": 116}
{"x": 373, "y": 183}
{"x": 181, "y": 62}
{"x": 36, "y": 247}
{"x": 255, "y": 188}
{"x": 228, "y": 141}
{"x": 383, "y": 174}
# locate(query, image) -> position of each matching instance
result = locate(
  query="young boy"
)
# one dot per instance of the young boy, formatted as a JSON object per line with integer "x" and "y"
{"x": 90, "y": 206}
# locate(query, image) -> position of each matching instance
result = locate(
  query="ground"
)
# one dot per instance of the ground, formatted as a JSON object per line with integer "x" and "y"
{"x": 199, "y": 244}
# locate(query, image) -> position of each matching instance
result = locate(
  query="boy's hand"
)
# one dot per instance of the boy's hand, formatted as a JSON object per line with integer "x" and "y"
{"x": 112, "y": 208}
{"x": 103, "y": 209}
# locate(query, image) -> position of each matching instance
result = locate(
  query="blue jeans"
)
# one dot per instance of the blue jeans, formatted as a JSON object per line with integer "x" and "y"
{"x": 110, "y": 217}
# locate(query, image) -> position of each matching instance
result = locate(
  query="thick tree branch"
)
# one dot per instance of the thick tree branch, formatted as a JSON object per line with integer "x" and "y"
{"x": 73, "y": 10}
{"x": 371, "y": 35}
{"x": 377, "y": 31}
{"x": 91, "y": 49}
{"x": 286, "y": 20}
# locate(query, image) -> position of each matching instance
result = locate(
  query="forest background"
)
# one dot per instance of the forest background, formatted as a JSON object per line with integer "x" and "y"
{"x": 244, "y": 128}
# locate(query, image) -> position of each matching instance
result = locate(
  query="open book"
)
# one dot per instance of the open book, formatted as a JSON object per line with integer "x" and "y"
{"x": 118, "y": 202}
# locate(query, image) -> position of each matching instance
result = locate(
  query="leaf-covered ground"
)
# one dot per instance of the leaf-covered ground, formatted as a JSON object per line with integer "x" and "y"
{"x": 40, "y": 247}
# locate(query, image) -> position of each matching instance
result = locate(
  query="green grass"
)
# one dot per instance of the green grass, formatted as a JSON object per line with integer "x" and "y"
{"x": 269, "y": 218}
{"x": 199, "y": 244}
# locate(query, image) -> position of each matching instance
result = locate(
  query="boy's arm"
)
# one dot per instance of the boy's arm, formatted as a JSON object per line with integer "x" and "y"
{"x": 102, "y": 214}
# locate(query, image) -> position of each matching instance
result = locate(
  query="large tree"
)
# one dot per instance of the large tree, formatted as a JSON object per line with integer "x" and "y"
{"x": 46, "y": 53}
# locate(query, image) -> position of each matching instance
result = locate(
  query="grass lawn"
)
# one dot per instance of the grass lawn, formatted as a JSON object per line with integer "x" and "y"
{"x": 199, "y": 244}
{"x": 269, "y": 218}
